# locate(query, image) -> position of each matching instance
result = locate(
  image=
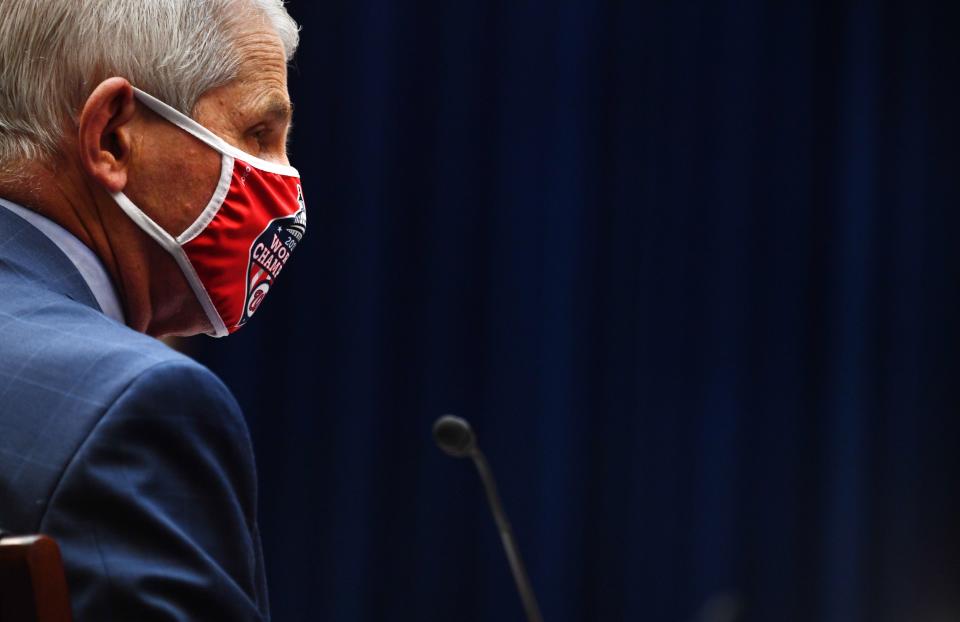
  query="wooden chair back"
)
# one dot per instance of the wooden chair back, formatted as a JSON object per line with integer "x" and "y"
{"x": 33, "y": 587}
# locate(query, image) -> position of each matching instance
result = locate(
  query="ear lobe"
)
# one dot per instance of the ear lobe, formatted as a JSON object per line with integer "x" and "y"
{"x": 104, "y": 133}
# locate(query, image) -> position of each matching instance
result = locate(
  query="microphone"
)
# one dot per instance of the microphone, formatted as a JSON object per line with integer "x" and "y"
{"x": 456, "y": 438}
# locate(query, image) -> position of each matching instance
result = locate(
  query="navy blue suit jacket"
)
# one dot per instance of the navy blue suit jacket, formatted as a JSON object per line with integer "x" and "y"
{"x": 135, "y": 458}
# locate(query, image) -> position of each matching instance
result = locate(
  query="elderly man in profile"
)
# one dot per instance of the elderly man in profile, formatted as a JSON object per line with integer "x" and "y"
{"x": 144, "y": 192}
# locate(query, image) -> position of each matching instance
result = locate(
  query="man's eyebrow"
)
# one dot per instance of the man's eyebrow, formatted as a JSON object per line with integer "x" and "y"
{"x": 278, "y": 109}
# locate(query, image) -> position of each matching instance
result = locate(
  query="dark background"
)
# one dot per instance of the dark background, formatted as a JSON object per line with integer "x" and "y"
{"x": 687, "y": 266}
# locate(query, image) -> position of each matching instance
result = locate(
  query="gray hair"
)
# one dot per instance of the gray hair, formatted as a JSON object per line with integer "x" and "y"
{"x": 53, "y": 53}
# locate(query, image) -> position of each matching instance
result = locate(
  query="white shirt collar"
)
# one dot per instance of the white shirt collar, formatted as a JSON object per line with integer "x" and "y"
{"x": 85, "y": 260}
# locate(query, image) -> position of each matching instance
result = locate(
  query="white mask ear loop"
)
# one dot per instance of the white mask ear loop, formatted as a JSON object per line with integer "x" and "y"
{"x": 168, "y": 243}
{"x": 165, "y": 240}
{"x": 201, "y": 133}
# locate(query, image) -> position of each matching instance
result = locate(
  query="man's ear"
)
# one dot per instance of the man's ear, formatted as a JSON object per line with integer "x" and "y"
{"x": 105, "y": 137}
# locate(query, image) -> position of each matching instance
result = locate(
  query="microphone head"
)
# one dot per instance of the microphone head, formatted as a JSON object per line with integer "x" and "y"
{"x": 454, "y": 436}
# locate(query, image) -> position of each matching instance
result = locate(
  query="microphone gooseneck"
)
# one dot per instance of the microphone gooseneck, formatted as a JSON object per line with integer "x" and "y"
{"x": 455, "y": 437}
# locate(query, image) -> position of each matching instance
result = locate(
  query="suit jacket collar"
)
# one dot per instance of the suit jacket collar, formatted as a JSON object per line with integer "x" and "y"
{"x": 26, "y": 253}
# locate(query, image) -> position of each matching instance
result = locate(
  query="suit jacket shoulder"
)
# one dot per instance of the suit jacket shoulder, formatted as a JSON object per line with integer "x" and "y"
{"x": 136, "y": 458}
{"x": 62, "y": 365}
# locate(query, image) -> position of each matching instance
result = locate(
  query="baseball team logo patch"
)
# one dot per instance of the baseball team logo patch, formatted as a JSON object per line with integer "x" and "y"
{"x": 269, "y": 254}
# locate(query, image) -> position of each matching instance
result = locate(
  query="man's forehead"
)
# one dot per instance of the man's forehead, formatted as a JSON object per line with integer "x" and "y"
{"x": 262, "y": 79}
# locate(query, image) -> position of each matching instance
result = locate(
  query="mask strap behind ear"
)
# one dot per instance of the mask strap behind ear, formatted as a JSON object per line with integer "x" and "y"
{"x": 201, "y": 133}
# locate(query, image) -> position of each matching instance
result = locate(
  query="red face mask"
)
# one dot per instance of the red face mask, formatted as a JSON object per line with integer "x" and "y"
{"x": 235, "y": 250}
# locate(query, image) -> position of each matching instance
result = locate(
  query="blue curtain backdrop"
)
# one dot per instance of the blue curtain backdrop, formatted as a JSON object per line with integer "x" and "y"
{"x": 687, "y": 266}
